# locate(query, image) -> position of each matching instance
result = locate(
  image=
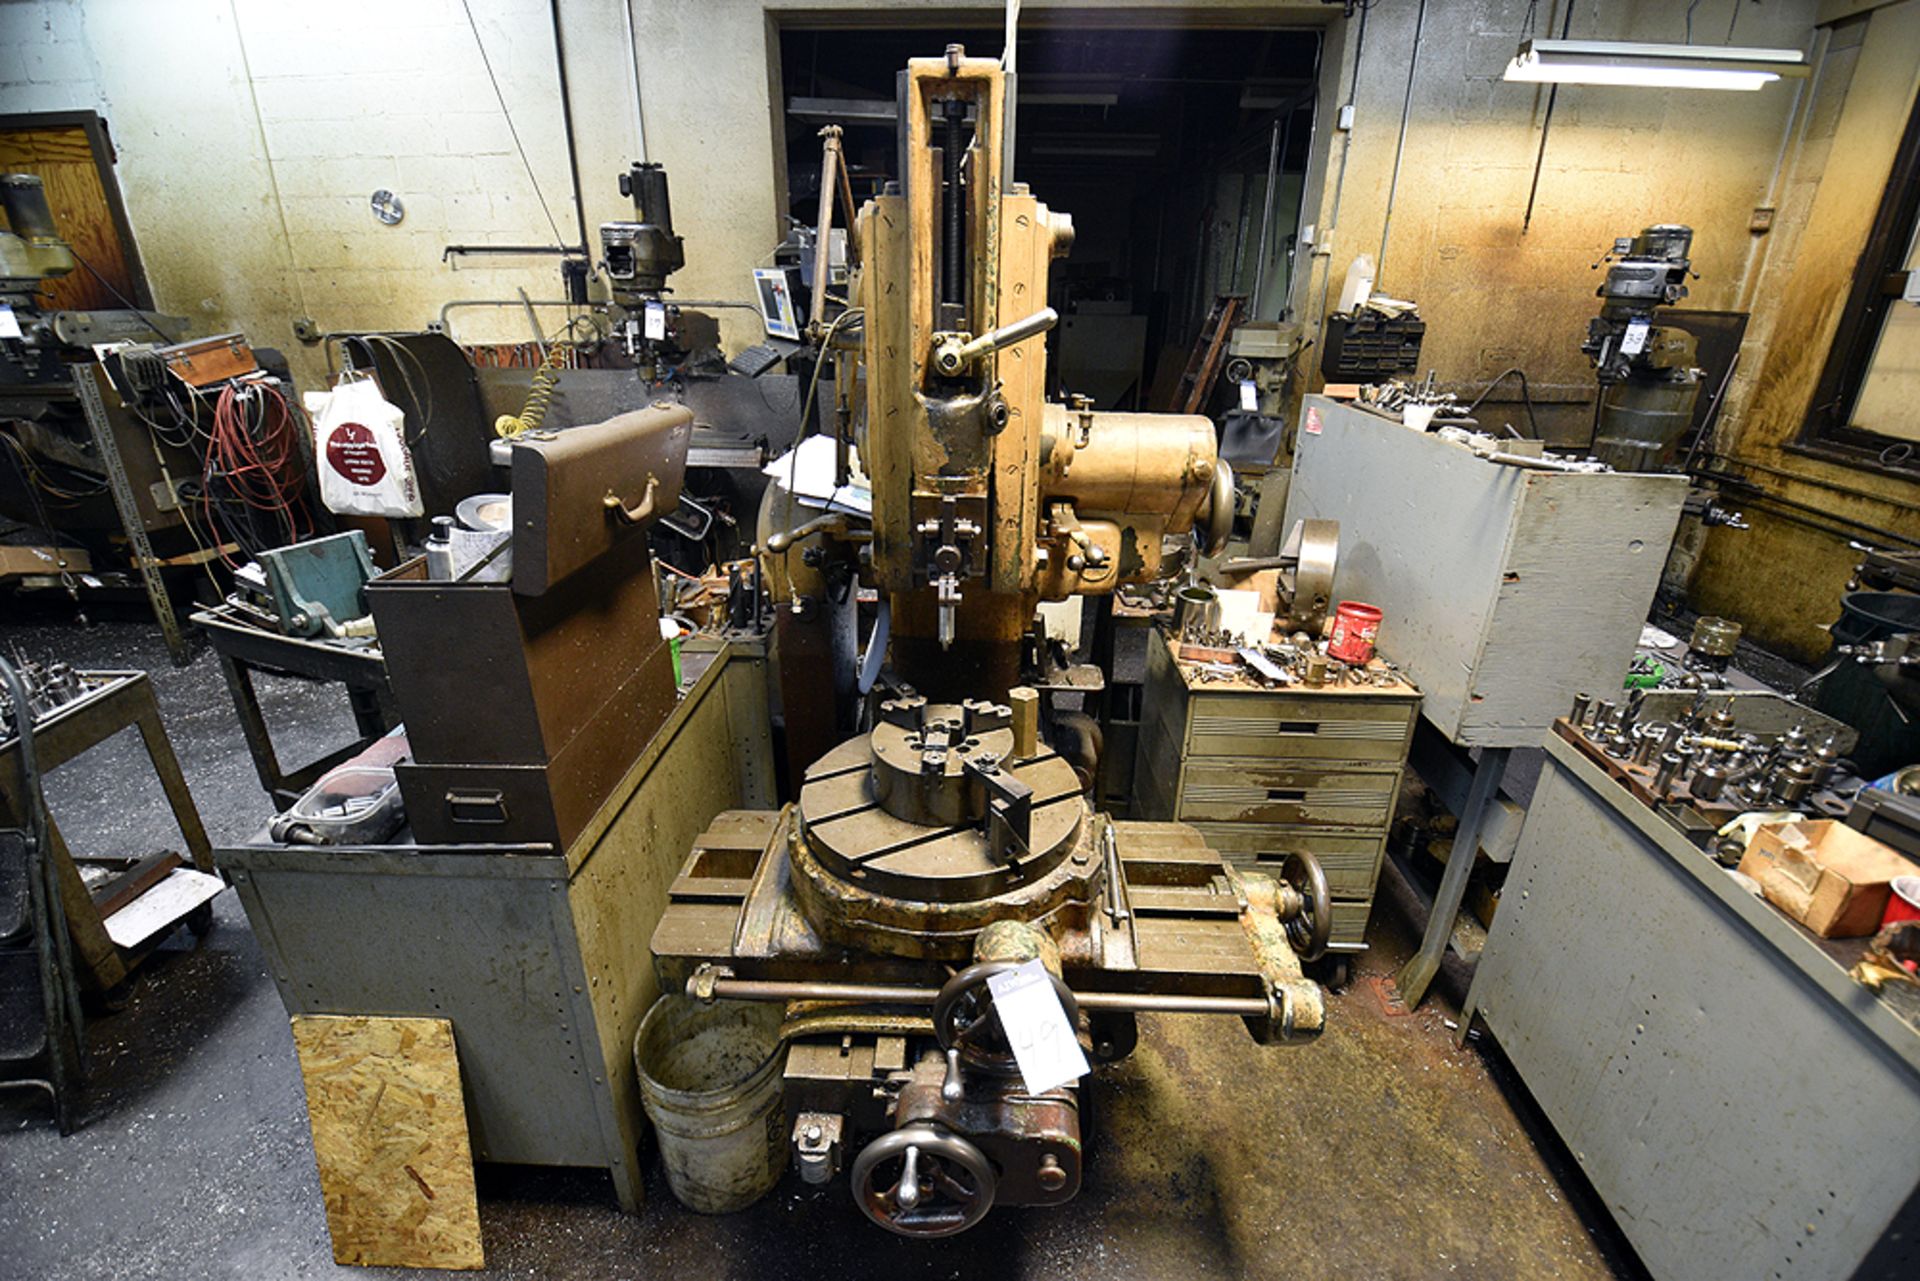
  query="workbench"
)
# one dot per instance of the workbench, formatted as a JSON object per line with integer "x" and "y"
{"x": 245, "y": 647}
{"x": 1263, "y": 772}
{"x": 1742, "y": 1106}
{"x": 537, "y": 954}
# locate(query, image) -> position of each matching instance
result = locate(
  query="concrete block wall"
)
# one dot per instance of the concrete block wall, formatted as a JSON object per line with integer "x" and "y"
{"x": 252, "y": 133}
{"x": 395, "y": 94}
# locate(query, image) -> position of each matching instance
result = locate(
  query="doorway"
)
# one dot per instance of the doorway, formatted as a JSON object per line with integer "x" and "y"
{"x": 1157, "y": 140}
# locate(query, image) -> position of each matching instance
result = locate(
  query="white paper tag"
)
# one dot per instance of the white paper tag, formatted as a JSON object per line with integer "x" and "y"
{"x": 1635, "y": 339}
{"x": 1249, "y": 396}
{"x": 1036, "y": 1027}
{"x": 1911, "y": 292}
{"x": 9, "y": 323}
{"x": 656, "y": 321}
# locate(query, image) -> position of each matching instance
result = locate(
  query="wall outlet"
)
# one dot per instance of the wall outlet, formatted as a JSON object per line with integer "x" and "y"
{"x": 1346, "y": 117}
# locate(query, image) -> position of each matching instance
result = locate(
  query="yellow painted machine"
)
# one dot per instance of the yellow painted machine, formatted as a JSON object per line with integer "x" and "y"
{"x": 946, "y": 850}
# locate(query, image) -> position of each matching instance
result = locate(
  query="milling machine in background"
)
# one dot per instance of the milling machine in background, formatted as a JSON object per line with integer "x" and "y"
{"x": 638, "y": 255}
{"x": 949, "y": 848}
{"x": 1648, "y": 380}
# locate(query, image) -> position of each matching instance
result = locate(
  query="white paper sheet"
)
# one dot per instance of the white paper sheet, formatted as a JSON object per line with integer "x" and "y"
{"x": 807, "y": 472}
{"x": 165, "y": 902}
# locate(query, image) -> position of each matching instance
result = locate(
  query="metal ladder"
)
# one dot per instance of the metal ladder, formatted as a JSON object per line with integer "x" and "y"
{"x": 1203, "y": 365}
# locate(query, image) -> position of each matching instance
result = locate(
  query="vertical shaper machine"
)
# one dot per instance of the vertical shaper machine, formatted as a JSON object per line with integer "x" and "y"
{"x": 985, "y": 497}
{"x": 950, "y": 844}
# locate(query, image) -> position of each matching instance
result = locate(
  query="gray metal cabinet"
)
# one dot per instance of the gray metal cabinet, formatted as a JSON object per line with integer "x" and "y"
{"x": 1265, "y": 772}
{"x": 1506, "y": 590}
{"x": 1744, "y": 1108}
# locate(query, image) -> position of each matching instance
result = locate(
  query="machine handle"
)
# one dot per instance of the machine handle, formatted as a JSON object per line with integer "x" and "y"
{"x": 951, "y": 357}
{"x": 786, "y": 538}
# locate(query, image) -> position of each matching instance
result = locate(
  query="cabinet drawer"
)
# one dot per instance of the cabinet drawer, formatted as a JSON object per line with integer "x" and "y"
{"x": 1300, "y": 728}
{"x": 1351, "y": 862}
{"x": 1257, "y": 792}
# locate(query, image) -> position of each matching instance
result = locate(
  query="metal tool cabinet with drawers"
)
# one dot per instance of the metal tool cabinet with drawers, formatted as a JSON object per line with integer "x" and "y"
{"x": 1263, "y": 772}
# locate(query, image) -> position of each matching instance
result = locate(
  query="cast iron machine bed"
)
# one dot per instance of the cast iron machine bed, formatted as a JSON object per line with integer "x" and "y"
{"x": 948, "y": 853}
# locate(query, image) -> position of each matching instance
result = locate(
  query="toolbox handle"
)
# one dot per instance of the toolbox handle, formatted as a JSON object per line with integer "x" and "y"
{"x": 476, "y": 806}
{"x": 638, "y": 514}
{"x": 1298, "y": 727}
{"x": 1286, "y": 793}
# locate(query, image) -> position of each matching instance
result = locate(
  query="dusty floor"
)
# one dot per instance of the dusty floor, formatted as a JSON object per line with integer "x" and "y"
{"x": 1379, "y": 1152}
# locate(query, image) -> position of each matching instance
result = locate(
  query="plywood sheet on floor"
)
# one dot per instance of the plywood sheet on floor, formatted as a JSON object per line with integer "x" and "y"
{"x": 390, "y": 1138}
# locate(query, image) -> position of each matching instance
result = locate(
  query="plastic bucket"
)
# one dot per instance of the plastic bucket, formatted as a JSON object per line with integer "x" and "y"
{"x": 1872, "y": 616}
{"x": 1851, "y": 693}
{"x": 1356, "y": 626}
{"x": 710, "y": 1079}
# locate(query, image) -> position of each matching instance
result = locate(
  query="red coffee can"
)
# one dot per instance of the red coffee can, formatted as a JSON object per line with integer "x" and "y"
{"x": 1903, "y": 904}
{"x": 1356, "y": 626}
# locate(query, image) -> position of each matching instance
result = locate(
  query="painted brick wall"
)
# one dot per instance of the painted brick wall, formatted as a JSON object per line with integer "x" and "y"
{"x": 251, "y": 134}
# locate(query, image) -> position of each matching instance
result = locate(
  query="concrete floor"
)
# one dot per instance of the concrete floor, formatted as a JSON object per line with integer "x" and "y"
{"x": 1379, "y": 1152}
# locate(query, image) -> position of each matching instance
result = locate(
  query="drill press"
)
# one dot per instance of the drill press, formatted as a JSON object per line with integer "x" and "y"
{"x": 949, "y": 846}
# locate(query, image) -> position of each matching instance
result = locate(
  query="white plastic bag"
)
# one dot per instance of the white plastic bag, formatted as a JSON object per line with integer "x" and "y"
{"x": 360, "y": 450}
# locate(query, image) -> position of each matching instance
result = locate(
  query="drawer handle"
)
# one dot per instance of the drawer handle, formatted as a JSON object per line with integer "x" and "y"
{"x": 1286, "y": 793}
{"x": 476, "y": 807}
{"x": 1299, "y": 727}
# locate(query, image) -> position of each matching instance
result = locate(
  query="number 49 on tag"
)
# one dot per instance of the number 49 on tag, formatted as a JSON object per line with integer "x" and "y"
{"x": 1036, "y": 1027}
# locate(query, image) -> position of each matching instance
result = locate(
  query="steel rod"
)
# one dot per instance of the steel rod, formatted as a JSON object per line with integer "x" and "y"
{"x": 1266, "y": 214}
{"x": 885, "y": 994}
{"x": 823, "y": 233}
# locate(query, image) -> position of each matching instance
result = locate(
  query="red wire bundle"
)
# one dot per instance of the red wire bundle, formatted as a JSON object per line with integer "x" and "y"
{"x": 253, "y": 448}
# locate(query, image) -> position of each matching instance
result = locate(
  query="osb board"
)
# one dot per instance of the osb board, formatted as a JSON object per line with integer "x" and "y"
{"x": 390, "y": 1137}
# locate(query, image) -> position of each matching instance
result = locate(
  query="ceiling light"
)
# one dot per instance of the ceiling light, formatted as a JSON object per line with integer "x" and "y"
{"x": 1658, "y": 66}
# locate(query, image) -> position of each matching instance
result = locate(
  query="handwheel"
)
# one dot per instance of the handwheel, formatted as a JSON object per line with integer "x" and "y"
{"x": 963, "y": 1016}
{"x": 1309, "y": 931}
{"x": 921, "y": 1181}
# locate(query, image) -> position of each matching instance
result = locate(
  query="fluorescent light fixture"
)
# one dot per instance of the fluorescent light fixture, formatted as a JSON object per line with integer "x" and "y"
{"x": 1656, "y": 66}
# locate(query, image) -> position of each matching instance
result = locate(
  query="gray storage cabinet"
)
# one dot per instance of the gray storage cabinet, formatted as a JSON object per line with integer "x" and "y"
{"x": 1506, "y": 589}
{"x": 1746, "y": 1111}
{"x": 1265, "y": 772}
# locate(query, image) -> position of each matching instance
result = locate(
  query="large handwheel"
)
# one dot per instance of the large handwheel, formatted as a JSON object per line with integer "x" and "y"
{"x": 921, "y": 1181}
{"x": 1308, "y": 932}
{"x": 964, "y": 1019}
